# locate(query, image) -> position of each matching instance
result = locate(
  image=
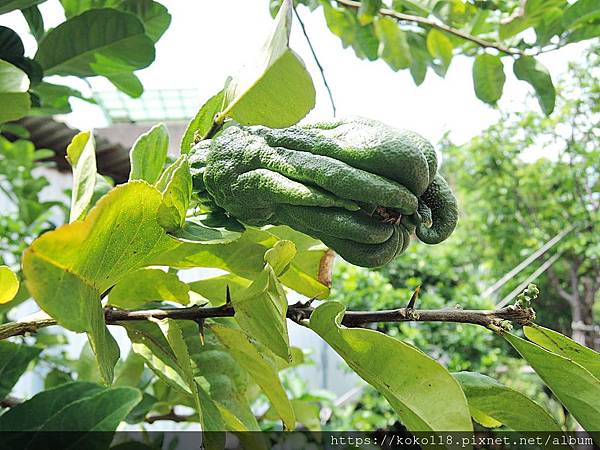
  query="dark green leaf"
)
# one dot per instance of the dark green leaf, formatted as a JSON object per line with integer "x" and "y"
{"x": 154, "y": 16}
{"x": 76, "y": 7}
{"x": 488, "y": 78}
{"x": 76, "y": 406}
{"x": 11, "y": 45}
{"x": 201, "y": 124}
{"x": 96, "y": 42}
{"x": 529, "y": 69}
{"x": 35, "y": 21}
{"x": 11, "y": 5}
{"x": 14, "y": 359}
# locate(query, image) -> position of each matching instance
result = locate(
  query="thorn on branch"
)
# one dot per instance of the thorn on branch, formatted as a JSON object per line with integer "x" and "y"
{"x": 413, "y": 298}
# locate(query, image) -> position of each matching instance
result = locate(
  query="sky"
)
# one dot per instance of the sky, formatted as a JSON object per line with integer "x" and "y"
{"x": 209, "y": 40}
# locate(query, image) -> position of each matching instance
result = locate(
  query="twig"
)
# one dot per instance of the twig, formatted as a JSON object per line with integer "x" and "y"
{"x": 299, "y": 312}
{"x": 440, "y": 26}
{"x": 314, "y": 54}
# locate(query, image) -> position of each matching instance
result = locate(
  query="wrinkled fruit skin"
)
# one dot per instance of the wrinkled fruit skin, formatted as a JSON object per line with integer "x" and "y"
{"x": 358, "y": 185}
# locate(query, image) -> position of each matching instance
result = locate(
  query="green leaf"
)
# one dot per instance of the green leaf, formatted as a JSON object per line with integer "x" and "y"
{"x": 148, "y": 285}
{"x": 14, "y": 359}
{"x": 367, "y": 44}
{"x": 440, "y": 47}
{"x": 78, "y": 406}
{"x": 276, "y": 90}
{"x": 562, "y": 345}
{"x": 573, "y": 385}
{"x": 76, "y": 7}
{"x": 488, "y": 78}
{"x": 200, "y": 126}
{"x": 196, "y": 229}
{"x": 261, "y": 369}
{"x": 14, "y": 98}
{"x": 529, "y": 69}
{"x": 9, "y": 284}
{"x": 130, "y": 373}
{"x": 11, "y": 5}
{"x": 35, "y": 21}
{"x": 96, "y": 42}
{"x": 580, "y": 11}
{"x": 81, "y": 154}
{"x": 85, "y": 258}
{"x": 154, "y": 16}
{"x": 420, "y": 57}
{"x": 368, "y": 10}
{"x": 421, "y": 391}
{"x": 54, "y": 98}
{"x": 341, "y": 22}
{"x": 128, "y": 83}
{"x": 261, "y": 309}
{"x": 162, "y": 345}
{"x": 149, "y": 153}
{"x": 177, "y": 195}
{"x": 505, "y": 405}
{"x": 396, "y": 51}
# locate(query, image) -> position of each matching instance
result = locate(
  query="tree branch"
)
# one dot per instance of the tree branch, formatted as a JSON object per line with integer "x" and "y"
{"x": 401, "y": 17}
{"x": 492, "y": 319}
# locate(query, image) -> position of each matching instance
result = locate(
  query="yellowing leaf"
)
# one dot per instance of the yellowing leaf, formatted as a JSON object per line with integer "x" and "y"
{"x": 422, "y": 392}
{"x": 9, "y": 285}
{"x": 83, "y": 259}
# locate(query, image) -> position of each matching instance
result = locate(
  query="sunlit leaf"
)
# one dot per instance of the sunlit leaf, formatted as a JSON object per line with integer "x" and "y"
{"x": 396, "y": 51}
{"x": 488, "y": 78}
{"x": 147, "y": 285}
{"x": 572, "y": 384}
{"x": 261, "y": 309}
{"x": 149, "y": 153}
{"x": 422, "y": 392}
{"x": 201, "y": 124}
{"x": 13, "y": 92}
{"x": 262, "y": 370}
{"x": 177, "y": 194}
{"x": 564, "y": 346}
{"x": 275, "y": 90}
{"x": 368, "y": 10}
{"x": 581, "y": 11}
{"x": 85, "y": 258}
{"x": 9, "y": 285}
{"x": 440, "y": 47}
{"x": 81, "y": 154}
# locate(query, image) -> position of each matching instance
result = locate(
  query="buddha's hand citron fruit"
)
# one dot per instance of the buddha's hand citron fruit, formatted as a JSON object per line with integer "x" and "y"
{"x": 358, "y": 185}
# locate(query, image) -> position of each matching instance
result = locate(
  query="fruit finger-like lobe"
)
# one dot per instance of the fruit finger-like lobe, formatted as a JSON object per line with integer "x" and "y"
{"x": 335, "y": 222}
{"x": 365, "y": 255}
{"x": 444, "y": 212}
{"x": 399, "y": 155}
